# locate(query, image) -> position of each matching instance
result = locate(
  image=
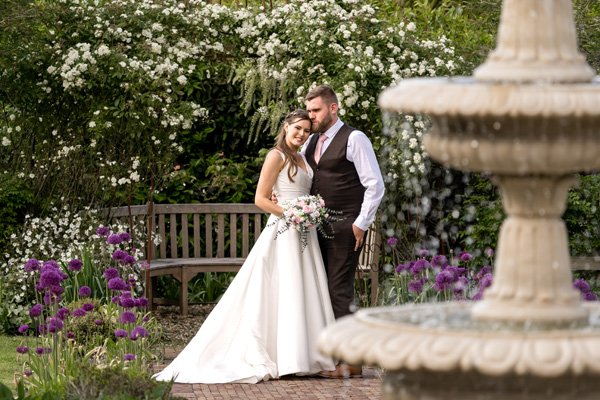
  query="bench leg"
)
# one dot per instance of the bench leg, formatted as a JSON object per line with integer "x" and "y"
{"x": 150, "y": 293}
{"x": 183, "y": 296}
{"x": 374, "y": 287}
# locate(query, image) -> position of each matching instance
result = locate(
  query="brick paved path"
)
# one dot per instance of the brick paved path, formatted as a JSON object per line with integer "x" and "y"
{"x": 292, "y": 388}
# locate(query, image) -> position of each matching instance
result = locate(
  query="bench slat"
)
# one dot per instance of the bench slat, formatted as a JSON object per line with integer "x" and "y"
{"x": 185, "y": 245}
{"x": 209, "y": 237}
{"x": 173, "y": 234}
{"x": 196, "y": 235}
{"x": 245, "y": 235}
{"x": 233, "y": 235}
{"x": 221, "y": 235}
{"x": 162, "y": 233}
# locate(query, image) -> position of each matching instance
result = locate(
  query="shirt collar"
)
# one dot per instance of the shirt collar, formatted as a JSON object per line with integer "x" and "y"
{"x": 330, "y": 133}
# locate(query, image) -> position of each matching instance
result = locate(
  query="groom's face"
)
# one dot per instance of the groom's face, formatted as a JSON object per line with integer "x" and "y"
{"x": 322, "y": 115}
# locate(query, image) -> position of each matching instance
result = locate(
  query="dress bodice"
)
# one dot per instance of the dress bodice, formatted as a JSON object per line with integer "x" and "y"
{"x": 288, "y": 190}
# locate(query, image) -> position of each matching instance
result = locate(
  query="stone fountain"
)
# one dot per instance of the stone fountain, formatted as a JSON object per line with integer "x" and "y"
{"x": 529, "y": 116}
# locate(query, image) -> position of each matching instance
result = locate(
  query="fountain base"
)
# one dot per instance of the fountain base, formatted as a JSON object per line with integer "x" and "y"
{"x": 438, "y": 351}
{"x": 428, "y": 385}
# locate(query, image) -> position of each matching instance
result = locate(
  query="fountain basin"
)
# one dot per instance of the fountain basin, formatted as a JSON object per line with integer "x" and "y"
{"x": 505, "y": 128}
{"x": 419, "y": 342}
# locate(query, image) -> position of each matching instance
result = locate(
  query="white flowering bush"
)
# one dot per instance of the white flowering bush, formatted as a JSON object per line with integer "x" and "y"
{"x": 62, "y": 236}
{"x": 348, "y": 44}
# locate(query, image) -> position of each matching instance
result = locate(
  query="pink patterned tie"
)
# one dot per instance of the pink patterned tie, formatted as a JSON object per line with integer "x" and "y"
{"x": 322, "y": 138}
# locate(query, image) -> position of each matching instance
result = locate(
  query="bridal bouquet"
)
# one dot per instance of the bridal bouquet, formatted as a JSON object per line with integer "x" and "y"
{"x": 304, "y": 213}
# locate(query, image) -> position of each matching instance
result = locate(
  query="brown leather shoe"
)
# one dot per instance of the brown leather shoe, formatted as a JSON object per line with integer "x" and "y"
{"x": 343, "y": 371}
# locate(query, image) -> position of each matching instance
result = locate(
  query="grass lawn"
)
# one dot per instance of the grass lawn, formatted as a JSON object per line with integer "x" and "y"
{"x": 8, "y": 360}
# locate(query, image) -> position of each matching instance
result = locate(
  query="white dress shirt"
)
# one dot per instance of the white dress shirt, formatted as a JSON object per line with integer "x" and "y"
{"x": 360, "y": 152}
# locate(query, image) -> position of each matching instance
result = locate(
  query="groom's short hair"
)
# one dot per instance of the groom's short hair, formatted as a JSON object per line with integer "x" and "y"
{"x": 325, "y": 92}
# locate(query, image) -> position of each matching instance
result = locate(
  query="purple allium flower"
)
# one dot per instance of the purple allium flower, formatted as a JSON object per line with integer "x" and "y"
{"x": 423, "y": 252}
{"x": 419, "y": 266}
{"x": 79, "y": 312}
{"x": 110, "y": 273}
{"x": 139, "y": 331}
{"x": 50, "y": 277}
{"x": 392, "y": 241}
{"x": 57, "y": 290}
{"x": 129, "y": 259}
{"x": 88, "y": 307}
{"x": 127, "y": 317}
{"x": 55, "y": 325}
{"x": 121, "y": 333}
{"x": 145, "y": 265}
{"x": 28, "y": 372}
{"x": 444, "y": 280}
{"x": 62, "y": 313}
{"x": 36, "y": 310}
{"x": 43, "y": 350}
{"x": 129, "y": 357}
{"x": 22, "y": 349}
{"x": 478, "y": 295}
{"x": 455, "y": 271}
{"x": 70, "y": 335}
{"x": 98, "y": 322}
{"x": 23, "y": 328}
{"x": 401, "y": 268}
{"x": 51, "y": 264}
{"x": 85, "y": 291}
{"x": 590, "y": 296}
{"x": 485, "y": 281}
{"x": 489, "y": 252}
{"x": 464, "y": 256}
{"x": 117, "y": 284}
{"x": 482, "y": 272}
{"x": 582, "y": 285}
{"x": 126, "y": 302}
{"x": 118, "y": 254}
{"x": 125, "y": 236}
{"x": 415, "y": 286}
{"x": 114, "y": 238}
{"x": 460, "y": 286}
{"x": 115, "y": 299}
{"x": 439, "y": 261}
{"x": 75, "y": 264}
{"x": 32, "y": 265}
{"x": 102, "y": 231}
{"x": 141, "y": 302}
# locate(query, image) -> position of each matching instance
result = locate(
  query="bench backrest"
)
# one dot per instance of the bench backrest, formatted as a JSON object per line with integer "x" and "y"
{"x": 215, "y": 230}
{"x": 198, "y": 230}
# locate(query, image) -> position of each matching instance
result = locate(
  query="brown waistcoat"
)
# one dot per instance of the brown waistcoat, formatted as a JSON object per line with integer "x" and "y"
{"x": 335, "y": 178}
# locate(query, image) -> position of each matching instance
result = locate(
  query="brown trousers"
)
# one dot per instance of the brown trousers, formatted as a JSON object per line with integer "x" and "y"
{"x": 340, "y": 261}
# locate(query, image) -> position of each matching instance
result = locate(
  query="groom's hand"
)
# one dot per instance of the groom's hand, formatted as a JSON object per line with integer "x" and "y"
{"x": 359, "y": 235}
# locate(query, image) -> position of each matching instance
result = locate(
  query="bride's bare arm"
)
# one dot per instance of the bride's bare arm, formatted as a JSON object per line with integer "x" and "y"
{"x": 268, "y": 175}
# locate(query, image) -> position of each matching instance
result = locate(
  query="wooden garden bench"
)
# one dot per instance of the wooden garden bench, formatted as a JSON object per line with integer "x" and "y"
{"x": 197, "y": 238}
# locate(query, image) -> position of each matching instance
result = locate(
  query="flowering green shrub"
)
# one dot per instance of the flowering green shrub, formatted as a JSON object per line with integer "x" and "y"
{"x": 434, "y": 277}
{"x": 113, "y": 329}
{"x": 63, "y": 236}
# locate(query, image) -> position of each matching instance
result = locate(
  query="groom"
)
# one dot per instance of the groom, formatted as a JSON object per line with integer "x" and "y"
{"x": 347, "y": 176}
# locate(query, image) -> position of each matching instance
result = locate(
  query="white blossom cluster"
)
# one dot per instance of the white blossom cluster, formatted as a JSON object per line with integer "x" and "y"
{"x": 343, "y": 43}
{"x": 61, "y": 236}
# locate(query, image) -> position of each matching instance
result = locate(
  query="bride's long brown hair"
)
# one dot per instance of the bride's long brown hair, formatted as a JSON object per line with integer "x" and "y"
{"x": 281, "y": 145}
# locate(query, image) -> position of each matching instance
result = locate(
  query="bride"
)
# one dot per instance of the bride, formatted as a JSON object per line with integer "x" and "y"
{"x": 267, "y": 323}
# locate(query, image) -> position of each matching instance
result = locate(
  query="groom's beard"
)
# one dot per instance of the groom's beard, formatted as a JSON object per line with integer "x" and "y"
{"x": 323, "y": 125}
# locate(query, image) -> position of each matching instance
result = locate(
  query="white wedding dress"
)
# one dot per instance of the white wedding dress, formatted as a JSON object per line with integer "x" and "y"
{"x": 267, "y": 323}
